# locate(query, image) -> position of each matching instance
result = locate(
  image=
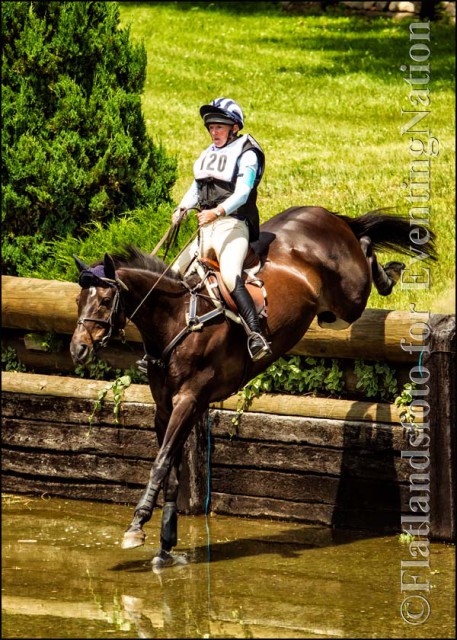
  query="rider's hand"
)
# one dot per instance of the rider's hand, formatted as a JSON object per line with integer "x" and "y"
{"x": 178, "y": 214}
{"x": 206, "y": 216}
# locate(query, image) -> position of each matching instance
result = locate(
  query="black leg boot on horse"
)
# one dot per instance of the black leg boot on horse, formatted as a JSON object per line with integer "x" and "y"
{"x": 384, "y": 278}
{"x": 258, "y": 347}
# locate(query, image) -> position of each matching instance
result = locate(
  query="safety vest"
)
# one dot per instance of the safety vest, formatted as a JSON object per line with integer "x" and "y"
{"x": 216, "y": 172}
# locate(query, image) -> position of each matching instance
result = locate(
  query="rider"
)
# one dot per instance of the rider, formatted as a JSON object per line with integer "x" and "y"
{"x": 226, "y": 176}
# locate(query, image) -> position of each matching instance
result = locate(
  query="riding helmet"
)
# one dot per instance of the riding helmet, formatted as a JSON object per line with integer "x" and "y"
{"x": 223, "y": 111}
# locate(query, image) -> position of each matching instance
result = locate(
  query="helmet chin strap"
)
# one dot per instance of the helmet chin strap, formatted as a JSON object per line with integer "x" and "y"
{"x": 230, "y": 138}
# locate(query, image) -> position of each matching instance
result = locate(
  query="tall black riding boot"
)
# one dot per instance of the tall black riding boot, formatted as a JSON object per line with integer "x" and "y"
{"x": 258, "y": 347}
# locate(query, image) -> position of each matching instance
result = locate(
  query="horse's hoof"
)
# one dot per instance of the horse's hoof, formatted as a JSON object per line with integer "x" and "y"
{"x": 394, "y": 269}
{"x": 133, "y": 539}
{"x": 166, "y": 559}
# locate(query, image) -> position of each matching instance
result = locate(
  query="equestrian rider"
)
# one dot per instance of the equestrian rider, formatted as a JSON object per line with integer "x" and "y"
{"x": 226, "y": 176}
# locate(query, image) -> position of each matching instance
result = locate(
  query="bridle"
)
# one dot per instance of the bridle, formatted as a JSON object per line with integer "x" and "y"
{"x": 88, "y": 279}
{"x": 110, "y": 322}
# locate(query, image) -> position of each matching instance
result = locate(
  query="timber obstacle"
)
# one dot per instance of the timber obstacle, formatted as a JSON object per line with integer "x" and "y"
{"x": 343, "y": 463}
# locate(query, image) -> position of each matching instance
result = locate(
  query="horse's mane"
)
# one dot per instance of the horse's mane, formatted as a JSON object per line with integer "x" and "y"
{"x": 130, "y": 257}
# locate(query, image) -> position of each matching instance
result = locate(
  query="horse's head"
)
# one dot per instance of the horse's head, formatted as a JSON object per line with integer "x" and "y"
{"x": 100, "y": 310}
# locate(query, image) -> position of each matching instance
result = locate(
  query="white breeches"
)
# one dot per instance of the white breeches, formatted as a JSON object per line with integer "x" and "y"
{"x": 229, "y": 239}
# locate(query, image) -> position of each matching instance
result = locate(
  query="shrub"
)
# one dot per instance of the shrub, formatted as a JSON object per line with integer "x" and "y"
{"x": 75, "y": 146}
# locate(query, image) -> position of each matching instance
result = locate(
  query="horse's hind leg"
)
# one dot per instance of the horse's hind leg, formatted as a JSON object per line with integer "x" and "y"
{"x": 367, "y": 247}
{"x": 384, "y": 278}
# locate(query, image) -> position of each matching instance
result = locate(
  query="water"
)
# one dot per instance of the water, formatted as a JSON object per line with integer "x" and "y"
{"x": 65, "y": 576}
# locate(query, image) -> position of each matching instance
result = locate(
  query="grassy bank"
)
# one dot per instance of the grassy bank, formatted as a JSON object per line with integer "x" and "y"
{"x": 322, "y": 94}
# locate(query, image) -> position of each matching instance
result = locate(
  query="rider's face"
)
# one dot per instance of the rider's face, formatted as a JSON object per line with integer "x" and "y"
{"x": 220, "y": 132}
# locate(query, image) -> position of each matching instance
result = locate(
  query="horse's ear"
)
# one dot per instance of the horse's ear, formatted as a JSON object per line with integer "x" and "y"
{"x": 80, "y": 264}
{"x": 109, "y": 266}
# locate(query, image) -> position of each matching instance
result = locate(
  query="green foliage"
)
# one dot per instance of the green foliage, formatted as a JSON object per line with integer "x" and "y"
{"x": 136, "y": 376}
{"x": 296, "y": 375}
{"x": 404, "y": 401}
{"x": 405, "y": 537}
{"x": 10, "y": 360}
{"x": 98, "y": 369}
{"x": 376, "y": 379}
{"x": 95, "y": 368}
{"x": 74, "y": 139}
{"x": 24, "y": 252}
{"x": 292, "y": 375}
{"x": 142, "y": 228}
{"x": 118, "y": 387}
{"x": 49, "y": 341}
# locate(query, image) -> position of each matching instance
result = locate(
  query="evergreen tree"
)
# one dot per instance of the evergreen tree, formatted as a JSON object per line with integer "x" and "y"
{"x": 74, "y": 142}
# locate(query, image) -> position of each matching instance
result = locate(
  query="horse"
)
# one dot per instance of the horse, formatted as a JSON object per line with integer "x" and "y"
{"x": 315, "y": 263}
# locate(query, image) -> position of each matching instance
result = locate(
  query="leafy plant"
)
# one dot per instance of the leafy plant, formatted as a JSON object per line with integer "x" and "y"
{"x": 49, "y": 341}
{"x": 136, "y": 376}
{"x": 10, "y": 360}
{"x": 118, "y": 387}
{"x": 405, "y": 537}
{"x": 96, "y": 369}
{"x": 376, "y": 379}
{"x": 297, "y": 375}
{"x": 404, "y": 400}
{"x": 76, "y": 147}
{"x": 293, "y": 375}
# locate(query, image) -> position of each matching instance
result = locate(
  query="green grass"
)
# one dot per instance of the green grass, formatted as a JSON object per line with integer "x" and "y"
{"x": 322, "y": 94}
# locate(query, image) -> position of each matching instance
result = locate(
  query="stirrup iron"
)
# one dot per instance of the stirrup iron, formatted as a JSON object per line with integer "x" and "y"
{"x": 263, "y": 351}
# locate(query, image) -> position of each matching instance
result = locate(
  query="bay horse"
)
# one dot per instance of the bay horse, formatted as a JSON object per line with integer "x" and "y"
{"x": 315, "y": 263}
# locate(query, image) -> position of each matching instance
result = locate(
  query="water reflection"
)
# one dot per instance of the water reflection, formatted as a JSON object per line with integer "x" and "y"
{"x": 65, "y": 576}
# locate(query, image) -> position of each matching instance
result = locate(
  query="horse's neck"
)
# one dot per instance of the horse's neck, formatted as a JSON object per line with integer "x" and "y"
{"x": 153, "y": 304}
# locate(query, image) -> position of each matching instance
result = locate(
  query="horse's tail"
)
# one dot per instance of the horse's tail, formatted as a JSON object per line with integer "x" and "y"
{"x": 391, "y": 233}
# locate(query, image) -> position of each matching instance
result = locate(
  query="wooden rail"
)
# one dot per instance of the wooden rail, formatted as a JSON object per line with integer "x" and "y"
{"x": 41, "y": 306}
{"x": 291, "y": 464}
{"x": 49, "y": 305}
{"x": 46, "y": 385}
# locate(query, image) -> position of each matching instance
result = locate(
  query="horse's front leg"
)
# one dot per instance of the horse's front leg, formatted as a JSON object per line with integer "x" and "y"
{"x": 181, "y": 420}
{"x": 169, "y": 526}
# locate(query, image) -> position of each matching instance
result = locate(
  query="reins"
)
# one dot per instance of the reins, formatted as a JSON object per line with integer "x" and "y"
{"x": 171, "y": 239}
{"x": 171, "y": 235}
{"x": 194, "y": 322}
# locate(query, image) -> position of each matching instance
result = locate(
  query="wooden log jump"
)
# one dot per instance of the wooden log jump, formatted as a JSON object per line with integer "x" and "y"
{"x": 49, "y": 305}
{"x": 250, "y": 489}
{"x": 327, "y": 462}
{"x": 287, "y": 465}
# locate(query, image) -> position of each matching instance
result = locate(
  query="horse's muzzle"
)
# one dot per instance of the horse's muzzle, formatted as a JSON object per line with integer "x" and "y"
{"x": 80, "y": 352}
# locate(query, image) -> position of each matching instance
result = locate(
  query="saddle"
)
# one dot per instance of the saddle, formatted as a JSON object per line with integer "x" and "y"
{"x": 218, "y": 290}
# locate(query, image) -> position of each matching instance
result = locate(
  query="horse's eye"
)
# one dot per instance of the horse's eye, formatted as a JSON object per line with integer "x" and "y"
{"x": 106, "y": 302}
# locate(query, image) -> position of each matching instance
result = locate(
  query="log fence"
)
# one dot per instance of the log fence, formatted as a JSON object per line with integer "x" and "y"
{"x": 323, "y": 461}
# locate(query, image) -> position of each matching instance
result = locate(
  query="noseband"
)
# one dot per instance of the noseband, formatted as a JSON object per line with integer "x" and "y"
{"x": 89, "y": 279}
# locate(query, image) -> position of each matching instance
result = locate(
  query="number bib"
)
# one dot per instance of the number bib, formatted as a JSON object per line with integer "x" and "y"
{"x": 219, "y": 164}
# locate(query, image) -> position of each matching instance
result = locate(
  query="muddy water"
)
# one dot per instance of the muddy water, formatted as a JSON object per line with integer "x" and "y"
{"x": 65, "y": 576}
